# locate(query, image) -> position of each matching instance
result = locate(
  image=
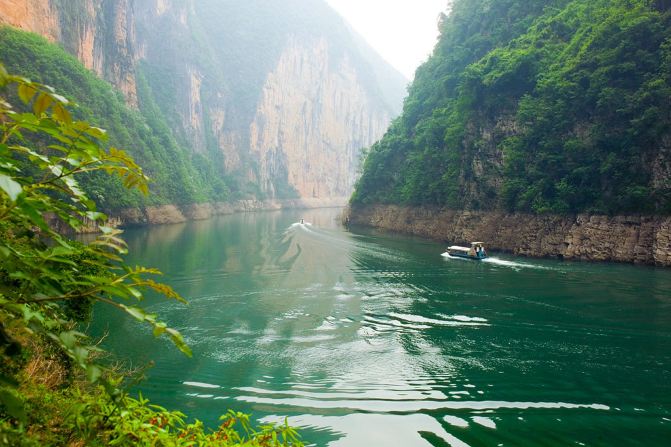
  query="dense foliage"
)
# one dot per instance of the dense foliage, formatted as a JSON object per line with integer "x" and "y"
{"x": 555, "y": 106}
{"x": 176, "y": 177}
{"x": 54, "y": 390}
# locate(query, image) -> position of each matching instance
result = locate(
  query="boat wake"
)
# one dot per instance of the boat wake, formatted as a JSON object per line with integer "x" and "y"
{"x": 300, "y": 225}
{"x": 499, "y": 262}
{"x": 456, "y": 258}
{"x": 513, "y": 264}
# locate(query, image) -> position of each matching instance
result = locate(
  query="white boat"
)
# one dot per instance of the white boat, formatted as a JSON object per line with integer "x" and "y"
{"x": 476, "y": 251}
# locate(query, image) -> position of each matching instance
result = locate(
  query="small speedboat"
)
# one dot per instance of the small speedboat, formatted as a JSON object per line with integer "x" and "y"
{"x": 476, "y": 251}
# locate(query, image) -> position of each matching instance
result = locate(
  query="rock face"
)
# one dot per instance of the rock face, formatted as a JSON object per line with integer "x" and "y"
{"x": 288, "y": 121}
{"x": 109, "y": 51}
{"x": 637, "y": 239}
{"x": 31, "y": 15}
{"x": 308, "y": 86}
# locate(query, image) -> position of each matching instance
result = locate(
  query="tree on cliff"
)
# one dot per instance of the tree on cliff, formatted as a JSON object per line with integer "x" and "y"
{"x": 49, "y": 376}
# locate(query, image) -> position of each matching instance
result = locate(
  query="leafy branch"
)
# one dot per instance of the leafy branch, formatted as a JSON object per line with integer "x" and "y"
{"x": 43, "y": 151}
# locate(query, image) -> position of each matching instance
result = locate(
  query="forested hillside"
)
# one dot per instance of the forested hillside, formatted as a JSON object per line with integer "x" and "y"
{"x": 175, "y": 180}
{"x": 552, "y": 106}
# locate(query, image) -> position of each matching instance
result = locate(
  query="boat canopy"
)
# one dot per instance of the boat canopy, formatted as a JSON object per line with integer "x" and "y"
{"x": 458, "y": 248}
{"x": 477, "y": 243}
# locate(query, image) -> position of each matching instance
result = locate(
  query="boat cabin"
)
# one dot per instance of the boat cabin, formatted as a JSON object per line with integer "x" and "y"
{"x": 476, "y": 251}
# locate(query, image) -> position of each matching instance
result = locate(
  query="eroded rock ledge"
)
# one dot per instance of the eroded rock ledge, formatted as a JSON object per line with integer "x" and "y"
{"x": 637, "y": 239}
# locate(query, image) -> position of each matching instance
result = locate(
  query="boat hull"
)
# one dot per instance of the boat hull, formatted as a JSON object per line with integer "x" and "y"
{"x": 466, "y": 256}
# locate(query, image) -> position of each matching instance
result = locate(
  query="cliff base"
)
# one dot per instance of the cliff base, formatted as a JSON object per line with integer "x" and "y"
{"x": 635, "y": 239}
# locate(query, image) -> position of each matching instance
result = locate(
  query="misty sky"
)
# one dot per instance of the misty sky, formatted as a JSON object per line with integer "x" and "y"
{"x": 402, "y": 31}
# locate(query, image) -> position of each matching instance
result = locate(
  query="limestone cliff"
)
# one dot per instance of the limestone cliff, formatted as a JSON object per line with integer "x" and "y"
{"x": 524, "y": 129}
{"x": 277, "y": 98}
{"x": 312, "y": 119}
{"x": 31, "y": 15}
{"x": 109, "y": 50}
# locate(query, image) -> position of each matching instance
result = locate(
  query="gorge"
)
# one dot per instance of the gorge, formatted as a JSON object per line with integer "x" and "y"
{"x": 226, "y": 101}
{"x": 542, "y": 128}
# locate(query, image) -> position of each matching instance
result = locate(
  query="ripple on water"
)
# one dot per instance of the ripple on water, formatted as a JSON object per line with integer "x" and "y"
{"x": 410, "y": 406}
{"x": 456, "y": 320}
{"x": 367, "y": 340}
{"x": 201, "y": 385}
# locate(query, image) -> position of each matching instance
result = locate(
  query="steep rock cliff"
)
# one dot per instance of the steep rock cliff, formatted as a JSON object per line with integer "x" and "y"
{"x": 543, "y": 128}
{"x": 275, "y": 98}
{"x": 279, "y": 94}
{"x": 100, "y": 33}
{"x": 312, "y": 119}
{"x": 32, "y": 15}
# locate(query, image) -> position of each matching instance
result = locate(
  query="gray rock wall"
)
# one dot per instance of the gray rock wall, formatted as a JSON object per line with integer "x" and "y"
{"x": 636, "y": 239}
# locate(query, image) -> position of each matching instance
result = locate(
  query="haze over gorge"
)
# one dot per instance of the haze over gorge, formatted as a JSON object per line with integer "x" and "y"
{"x": 228, "y": 105}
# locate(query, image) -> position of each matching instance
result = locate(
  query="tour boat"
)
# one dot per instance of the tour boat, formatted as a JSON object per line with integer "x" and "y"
{"x": 476, "y": 251}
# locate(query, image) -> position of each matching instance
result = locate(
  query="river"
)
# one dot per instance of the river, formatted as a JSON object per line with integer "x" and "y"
{"x": 365, "y": 338}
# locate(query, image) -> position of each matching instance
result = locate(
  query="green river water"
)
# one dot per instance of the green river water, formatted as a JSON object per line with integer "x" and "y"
{"x": 365, "y": 338}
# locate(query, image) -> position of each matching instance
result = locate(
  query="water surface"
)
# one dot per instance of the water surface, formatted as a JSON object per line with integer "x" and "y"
{"x": 364, "y": 338}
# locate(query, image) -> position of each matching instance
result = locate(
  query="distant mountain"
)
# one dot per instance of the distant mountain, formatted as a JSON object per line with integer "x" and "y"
{"x": 224, "y": 98}
{"x": 554, "y": 106}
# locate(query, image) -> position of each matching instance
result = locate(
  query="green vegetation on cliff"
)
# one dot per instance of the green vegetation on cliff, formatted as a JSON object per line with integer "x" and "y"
{"x": 554, "y": 106}
{"x": 176, "y": 177}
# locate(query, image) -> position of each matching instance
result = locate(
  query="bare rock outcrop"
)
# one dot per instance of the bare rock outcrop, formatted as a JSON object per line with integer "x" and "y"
{"x": 313, "y": 118}
{"x": 37, "y": 16}
{"x": 110, "y": 51}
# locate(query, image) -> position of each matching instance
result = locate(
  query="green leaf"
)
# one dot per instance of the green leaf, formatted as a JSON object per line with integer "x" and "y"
{"x": 3, "y": 76}
{"x": 94, "y": 215}
{"x": 93, "y": 373}
{"x": 11, "y": 187}
{"x": 69, "y": 338}
{"x": 62, "y": 114}
{"x": 178, "y": 340}
{"x": 26, "y": 92}
{"x": 159, "y": 329}
{"x": 136, "y": 312}
{"x": 13, "y": 404}
{"x": 36, "y": 218}
{"x": 41, "y": 104}
{"x": 59, "y": 98}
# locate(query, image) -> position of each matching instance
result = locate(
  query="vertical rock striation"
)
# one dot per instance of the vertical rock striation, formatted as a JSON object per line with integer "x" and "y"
{"x": 101, "y": 33}
{"x": 37, "y": 16}
{"x": 312, "y": 119}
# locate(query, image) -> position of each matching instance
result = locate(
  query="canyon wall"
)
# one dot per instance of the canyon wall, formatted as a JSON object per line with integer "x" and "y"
{"x": 636, "y": 239}
{"x": 100, "y": 33}
{"x": 312, "y": 120}
{"x": 37, "y": 16}
{"x": 277, "y": 104}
